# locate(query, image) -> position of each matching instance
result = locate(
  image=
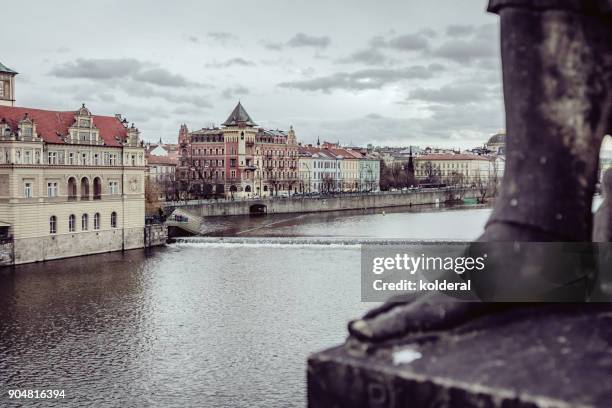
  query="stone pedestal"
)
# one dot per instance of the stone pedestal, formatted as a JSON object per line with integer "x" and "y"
{"x": 545, "y": 356}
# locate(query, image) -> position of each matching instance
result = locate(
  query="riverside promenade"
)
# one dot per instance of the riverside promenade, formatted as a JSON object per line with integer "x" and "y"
{"x": 320, "y": 203}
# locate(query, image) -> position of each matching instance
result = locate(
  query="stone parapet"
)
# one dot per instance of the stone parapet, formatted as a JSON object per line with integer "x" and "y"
{"x": 546, "y": 356}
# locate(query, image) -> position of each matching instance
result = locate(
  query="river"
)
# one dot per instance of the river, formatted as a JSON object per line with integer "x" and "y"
{"x": 224, "y": 320}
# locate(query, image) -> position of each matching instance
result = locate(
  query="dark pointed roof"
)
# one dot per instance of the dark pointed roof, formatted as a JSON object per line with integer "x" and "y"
{"x": 4, "y": 68}
{"x": 239, "y": 116}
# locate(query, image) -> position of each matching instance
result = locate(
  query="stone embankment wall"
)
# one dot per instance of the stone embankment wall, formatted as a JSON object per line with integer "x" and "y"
{"x": 279, "y": 205}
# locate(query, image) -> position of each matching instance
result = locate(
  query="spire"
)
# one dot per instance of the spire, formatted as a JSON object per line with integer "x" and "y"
{"x": 410, "y": 163}
{"x": 160, "y": 140}
{"x": 318, "y": 141}
{"x": 239, "y": 117}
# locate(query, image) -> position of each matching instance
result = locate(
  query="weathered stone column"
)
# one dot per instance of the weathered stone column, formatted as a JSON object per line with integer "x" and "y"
{"x": 557, "y": 75}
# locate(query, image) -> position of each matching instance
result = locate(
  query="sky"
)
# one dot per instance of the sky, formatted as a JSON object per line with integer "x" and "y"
{"x": 398, "y": 73}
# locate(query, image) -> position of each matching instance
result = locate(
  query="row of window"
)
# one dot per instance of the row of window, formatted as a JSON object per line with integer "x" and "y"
{"x": 53, "y": 188}
{"x": 84, "y": 222}
{"x": 96, "y": 159}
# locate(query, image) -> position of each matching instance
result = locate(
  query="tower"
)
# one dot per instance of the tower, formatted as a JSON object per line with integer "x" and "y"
{"x": 183, "y": 136}
{"x": 291, "y": 139}
{"x": 7, "y": 86}
{"x": 410, "y": 167}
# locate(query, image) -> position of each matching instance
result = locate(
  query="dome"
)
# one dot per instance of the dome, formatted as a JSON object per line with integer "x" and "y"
{"x": 499, "y": 138}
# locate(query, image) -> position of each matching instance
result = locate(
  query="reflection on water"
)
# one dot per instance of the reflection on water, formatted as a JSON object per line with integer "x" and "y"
{"x": 417, "y": 222}
{"x": 198, "y": 323}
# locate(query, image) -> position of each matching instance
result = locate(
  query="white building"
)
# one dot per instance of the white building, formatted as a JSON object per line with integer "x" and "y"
{"x": 320, "y": 170}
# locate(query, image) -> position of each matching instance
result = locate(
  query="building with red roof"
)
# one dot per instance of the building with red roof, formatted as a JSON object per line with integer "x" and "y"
{"x": 239, "y": 159}
{"x": 71, "y": 182}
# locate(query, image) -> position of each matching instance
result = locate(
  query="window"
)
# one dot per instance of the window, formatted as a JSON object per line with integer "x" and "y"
{"x": 27, "y": 158}
{"x": 97, "y": 221}
{"x": 27, "y": 190}
{"x": 53, "y": 225}
{"x": 113, "y": 220}
{"x": 84, "y": 222}
{"x": 83, "y": 158}
{"x": 52, "y": 189}
{"x": 27, "y": 131}
{"x": 71, "y": 223}
{"x": 113, "y": 187}
{"x": 52, "y": 157}
{"x": 71, "y": 158}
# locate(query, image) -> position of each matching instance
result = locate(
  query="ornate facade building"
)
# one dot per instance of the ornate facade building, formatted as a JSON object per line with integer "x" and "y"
{"x": 239, "y": 159}
{"x": 71, "y": 183}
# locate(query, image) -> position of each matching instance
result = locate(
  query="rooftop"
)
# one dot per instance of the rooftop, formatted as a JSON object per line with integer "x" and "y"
{"x": 447, "y": 156}
{"x": 239, "y": 116}
{"x": 5, "y": 69}
{"x": 51, "y": 126}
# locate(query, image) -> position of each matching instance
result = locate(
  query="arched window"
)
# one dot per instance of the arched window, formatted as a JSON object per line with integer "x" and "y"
{"x": 97, "y": 188}
{"x": 97, "y": 221}
{"x": 72, "y": 189}
{"x": 84, "y": 188}
{"x": 84, "y": 222}
{"x": 113, "y": 220}
{"x": 71, "y": 223}
{"x": 53, "y": 224}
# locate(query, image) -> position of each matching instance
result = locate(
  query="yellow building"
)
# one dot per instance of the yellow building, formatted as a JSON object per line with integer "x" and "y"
{"x": 71, "y": 183}
{"x": 465, "y": 169}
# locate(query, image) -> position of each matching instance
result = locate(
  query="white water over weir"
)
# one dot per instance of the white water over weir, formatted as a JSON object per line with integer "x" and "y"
{"x": 338, "y": 242}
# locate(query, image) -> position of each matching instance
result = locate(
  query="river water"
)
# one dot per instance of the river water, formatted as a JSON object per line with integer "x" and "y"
{"x": 226, "y": 320}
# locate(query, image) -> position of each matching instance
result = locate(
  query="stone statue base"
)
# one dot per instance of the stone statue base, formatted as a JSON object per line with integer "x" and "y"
{"x": 555, "y": 355}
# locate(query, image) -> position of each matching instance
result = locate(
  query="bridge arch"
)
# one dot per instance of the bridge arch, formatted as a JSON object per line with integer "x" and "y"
{"x": 258, "y": 209}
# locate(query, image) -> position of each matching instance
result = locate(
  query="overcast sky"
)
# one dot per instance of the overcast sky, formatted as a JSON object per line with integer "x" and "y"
{"x": 360, "y": 71}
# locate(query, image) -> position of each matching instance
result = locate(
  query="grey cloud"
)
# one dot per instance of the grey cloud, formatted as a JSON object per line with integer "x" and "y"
{"x": 368, "y": 56}
{"x": 107, "y": 69}
{"x": 305, "y": 40}
{"x": 221, "y": 36}
{"x": 471, "y": 43}
{"x": 274, "y": 46}
{"x": 409, "y": 42}
{"x": 299, "y": 40}
{"x": 428, "y": 32}
{"x": 193, "y": 39}
{"x": 162, "y": 77}
{"x": 141, "y": 90}
{"x": 232, "y": 93}
{"x": 458, "y": 30}
{"x": 406, "y": 42}
{"x": 97, "y": 68}
{"x": 363, "y": 79}
{"x": 456, "y": 93}
{"x": 465, "y": 51}
{"x": 487, "y": 32}
{"x": 238, "y": 61}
